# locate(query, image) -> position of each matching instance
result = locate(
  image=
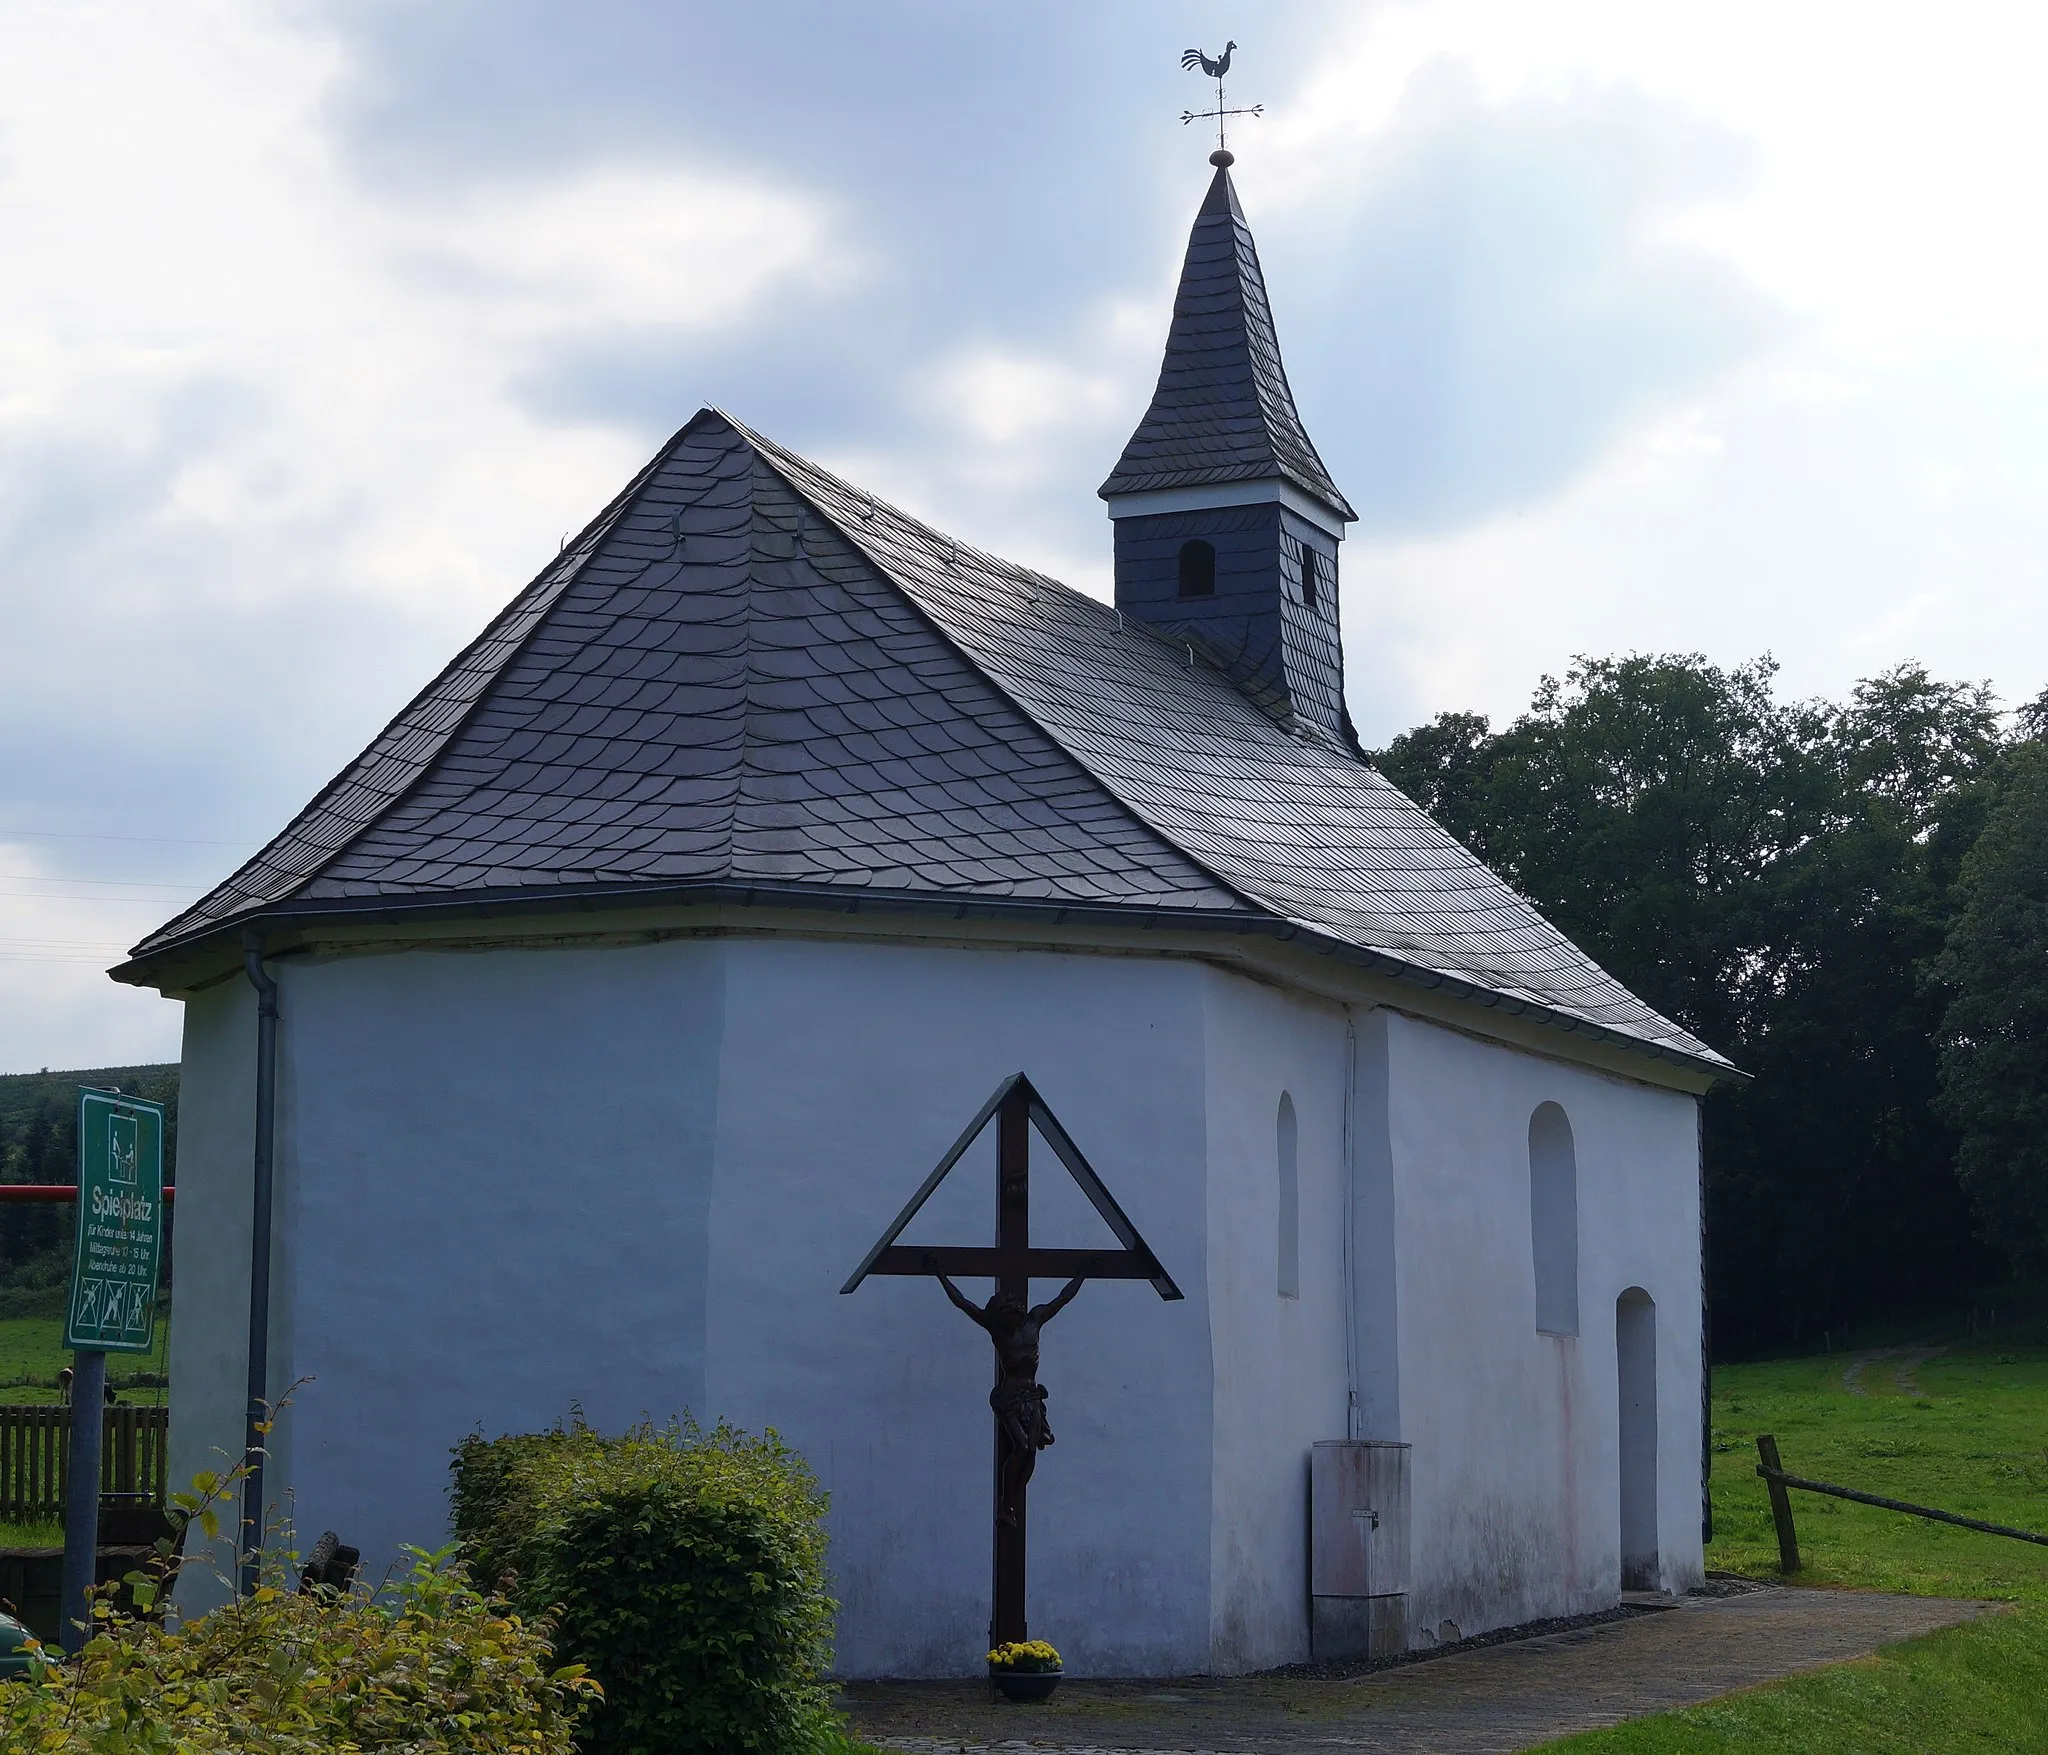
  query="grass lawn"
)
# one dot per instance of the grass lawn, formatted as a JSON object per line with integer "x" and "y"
{"x": 1981, "y": 1687}
{"x": 32, "y": 1353}
{"x": 1969, "y": 1433}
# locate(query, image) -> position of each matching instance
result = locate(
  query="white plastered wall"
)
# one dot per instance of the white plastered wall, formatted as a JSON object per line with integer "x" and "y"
{"x": 209, "y": 1359}
{"x": 1515, "y": 1484}
{"x": 493, "y": 1175}
{"x": 1279, "y": 1361}
{"x": 633, "y": 1179}
{"x": 848, "y": 1071}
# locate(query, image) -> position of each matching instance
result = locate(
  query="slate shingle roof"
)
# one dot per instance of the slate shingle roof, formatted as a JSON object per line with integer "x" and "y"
{"x": 747, "y": 672}
{"x": 1222, "y": 411}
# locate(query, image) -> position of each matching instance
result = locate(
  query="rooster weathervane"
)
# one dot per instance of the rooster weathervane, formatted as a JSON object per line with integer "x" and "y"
{"x": 1215, "y": 69}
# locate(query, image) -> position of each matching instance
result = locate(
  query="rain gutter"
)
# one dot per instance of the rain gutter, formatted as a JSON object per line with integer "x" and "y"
{"x": 487, "y": 904}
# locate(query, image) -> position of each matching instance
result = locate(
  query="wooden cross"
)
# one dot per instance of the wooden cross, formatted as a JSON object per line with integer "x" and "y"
{"x": 1013, "y": 1263}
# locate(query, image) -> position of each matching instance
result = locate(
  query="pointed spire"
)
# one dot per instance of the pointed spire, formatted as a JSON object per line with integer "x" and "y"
{"x": 1222, "y": 411}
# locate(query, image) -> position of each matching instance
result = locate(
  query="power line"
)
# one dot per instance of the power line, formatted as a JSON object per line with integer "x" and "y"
{"x": 118, "y": 901}
{"x": 152, "y": 840}
{"x": 72, "y": 962}
{"x": 12, "y": 877}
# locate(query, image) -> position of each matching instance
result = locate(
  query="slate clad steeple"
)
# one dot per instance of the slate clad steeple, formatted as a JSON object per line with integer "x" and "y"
{"x": 1227, "y": 523}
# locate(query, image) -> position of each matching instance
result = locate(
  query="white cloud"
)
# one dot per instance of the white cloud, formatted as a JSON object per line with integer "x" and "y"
{"x": 271, "y": 445}
{"x": 622, "y": 247}
{"x": 1865, "y": 488}
{"x": 1843, "y": 520}
{"x": 1008, "y": 402}
{"x": 56, "y": 934}
{"x": 264, "y": 455}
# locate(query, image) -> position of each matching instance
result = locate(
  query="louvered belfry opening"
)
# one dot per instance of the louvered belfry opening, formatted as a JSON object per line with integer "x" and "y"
{"x": 1221, "y": 465}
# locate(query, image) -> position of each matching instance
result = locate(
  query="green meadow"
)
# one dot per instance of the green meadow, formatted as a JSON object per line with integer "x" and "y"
{"x": 32, "y": 1353}
{"x": 1965, "y": 1430}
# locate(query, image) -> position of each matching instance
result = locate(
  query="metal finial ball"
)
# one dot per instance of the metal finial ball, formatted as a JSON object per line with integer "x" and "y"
{"x": 1222, "y": 160}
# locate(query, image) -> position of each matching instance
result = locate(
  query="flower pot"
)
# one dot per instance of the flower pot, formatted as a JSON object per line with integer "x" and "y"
{"x": 1025, "y": 1684}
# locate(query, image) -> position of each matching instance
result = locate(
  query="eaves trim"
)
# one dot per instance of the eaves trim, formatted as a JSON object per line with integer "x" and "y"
{"x": 487, "y": 904}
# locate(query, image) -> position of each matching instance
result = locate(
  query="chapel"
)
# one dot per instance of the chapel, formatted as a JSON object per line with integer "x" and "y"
{"x": 636, "y": 975}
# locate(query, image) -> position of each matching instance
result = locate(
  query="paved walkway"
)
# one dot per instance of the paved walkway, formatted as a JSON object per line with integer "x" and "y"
{"x": 1482, "y": 1702}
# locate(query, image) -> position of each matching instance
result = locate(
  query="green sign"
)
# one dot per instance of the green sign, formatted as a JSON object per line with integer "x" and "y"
{"x": 120, "y": 1224}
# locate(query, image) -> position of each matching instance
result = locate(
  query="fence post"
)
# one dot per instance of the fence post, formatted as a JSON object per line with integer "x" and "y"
{"x": 82, "y": 1495}
{"x": 1781, "y": 1502}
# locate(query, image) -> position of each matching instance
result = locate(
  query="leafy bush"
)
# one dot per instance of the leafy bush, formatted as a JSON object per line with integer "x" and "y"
{"x": 686, "y": 1569}
{"x": 434, "y": 1668}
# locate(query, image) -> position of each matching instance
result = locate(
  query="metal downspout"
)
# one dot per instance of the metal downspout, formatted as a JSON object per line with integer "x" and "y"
{"x": 1699, "y": 1109}
{"x": 249, "y": 1558}
{"x": 1353, "y": 1399}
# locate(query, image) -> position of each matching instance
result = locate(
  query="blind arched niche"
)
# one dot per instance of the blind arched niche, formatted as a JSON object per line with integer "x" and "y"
{"x": 1290, "y": 1199}
{"x": 1554, "y": 1220}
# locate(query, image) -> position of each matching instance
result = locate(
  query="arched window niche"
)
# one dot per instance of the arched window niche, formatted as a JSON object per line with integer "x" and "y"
{"x": 1197, "y": 569}
{"x": 1554, "y": 1220}
{"x": 1290, "y": 1199}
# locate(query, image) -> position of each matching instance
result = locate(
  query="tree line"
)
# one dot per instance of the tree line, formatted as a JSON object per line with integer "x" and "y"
{"x": 1849, "y": 900}
{"x": 39, "y": 1143}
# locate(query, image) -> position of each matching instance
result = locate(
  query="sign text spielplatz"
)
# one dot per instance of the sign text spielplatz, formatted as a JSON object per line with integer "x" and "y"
{"x": 120, "y": 1224}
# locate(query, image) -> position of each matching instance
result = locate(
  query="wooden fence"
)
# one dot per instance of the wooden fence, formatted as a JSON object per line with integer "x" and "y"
{"x": 1777, "y": 1479}
{"x": 35, "y": 1452}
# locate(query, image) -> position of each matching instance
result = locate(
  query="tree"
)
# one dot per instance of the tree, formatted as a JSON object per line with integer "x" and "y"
{"x": 1774, "y": 876}
{"x": 1994, "y": 1034}
{"x": 1831, "y": 1180}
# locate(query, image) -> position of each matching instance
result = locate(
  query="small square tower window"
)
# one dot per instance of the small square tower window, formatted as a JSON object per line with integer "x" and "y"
{"x": 1197, "y": 569}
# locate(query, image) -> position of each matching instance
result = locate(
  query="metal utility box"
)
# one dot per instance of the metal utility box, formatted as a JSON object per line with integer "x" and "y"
{"x": 1358, "y": 1553}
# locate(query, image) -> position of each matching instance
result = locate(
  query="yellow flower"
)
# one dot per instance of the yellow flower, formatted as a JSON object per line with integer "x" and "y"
{"x": 1033, "y": 1654}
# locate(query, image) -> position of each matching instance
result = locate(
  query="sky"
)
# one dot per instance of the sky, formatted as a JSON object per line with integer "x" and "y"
{"x": 1626, "y": 325}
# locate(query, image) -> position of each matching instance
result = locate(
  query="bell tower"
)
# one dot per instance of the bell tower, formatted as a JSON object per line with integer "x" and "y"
{"x": 1227, "y": 524}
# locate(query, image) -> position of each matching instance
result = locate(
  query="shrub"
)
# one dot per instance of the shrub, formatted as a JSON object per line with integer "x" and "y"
{"x": 434, "y": 1667}
{"x": 686, "y": 1569}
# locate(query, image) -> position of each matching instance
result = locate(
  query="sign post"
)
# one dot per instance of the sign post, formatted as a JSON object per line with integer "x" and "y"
{"x": 112, "y": 1307}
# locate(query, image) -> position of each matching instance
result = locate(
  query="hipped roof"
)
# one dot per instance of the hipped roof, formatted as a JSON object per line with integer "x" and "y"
{"x": 748, "y": 677}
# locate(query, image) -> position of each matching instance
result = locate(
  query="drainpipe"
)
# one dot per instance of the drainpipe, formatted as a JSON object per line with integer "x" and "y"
{"x": 1353, "y": 1400}
{"x": 251, "y": 1540}
{"x": 1699, "y": 1110}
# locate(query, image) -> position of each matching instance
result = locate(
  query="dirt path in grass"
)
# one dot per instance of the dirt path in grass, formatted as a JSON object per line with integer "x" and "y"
{"x": 1902, "y": 1372}
{"x": 1910, "y": 1359}
{"x": 1481, "y": 1702}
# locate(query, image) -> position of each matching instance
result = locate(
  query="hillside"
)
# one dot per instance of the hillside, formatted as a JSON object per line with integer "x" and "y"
{"x": 39, "y": 1143}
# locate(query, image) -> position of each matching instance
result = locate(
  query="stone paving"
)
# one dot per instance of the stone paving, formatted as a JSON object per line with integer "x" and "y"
{"x": 1481, "y": 1702}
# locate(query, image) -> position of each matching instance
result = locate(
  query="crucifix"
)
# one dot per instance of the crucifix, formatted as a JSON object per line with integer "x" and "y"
{"x": 1012, "y": 1321}
{"x": 1215, "y": 69}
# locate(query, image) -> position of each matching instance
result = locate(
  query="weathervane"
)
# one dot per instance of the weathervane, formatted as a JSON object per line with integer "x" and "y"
{"x": 1193, "y": 58}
